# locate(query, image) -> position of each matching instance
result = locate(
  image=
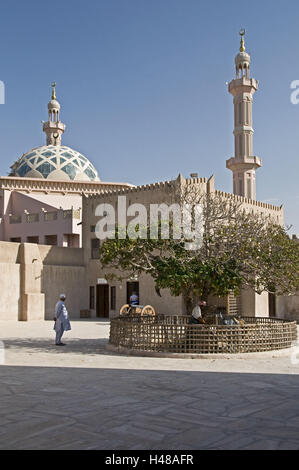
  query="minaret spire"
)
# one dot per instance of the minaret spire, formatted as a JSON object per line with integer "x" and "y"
{"x": 53, "y": 85}
{"x": 242, "y": 42}
{"x": 243, "y": 164}
{"x": 54, "y": 128}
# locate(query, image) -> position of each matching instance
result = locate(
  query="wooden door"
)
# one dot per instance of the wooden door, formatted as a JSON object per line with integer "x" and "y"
{"x": 132, "y": 287}
{"x": 102, "y": 309}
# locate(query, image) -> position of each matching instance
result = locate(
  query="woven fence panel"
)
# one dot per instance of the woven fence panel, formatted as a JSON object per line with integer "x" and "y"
{"x": 174, "y": 334}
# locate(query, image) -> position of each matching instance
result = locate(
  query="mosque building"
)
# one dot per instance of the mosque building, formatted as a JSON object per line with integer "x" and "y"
{"x": 41, "y": 199}
{"x": 47, "y": 209}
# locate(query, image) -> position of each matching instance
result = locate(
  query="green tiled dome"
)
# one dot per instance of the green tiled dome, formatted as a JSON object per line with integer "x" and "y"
{"x": 56, "y": 162}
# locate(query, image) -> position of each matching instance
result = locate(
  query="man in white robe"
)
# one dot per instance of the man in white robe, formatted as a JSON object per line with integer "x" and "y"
{"x": 61, "y": 318}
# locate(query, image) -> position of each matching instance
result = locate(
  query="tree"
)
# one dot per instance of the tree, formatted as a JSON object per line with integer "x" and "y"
{"x": 239, "y": 249}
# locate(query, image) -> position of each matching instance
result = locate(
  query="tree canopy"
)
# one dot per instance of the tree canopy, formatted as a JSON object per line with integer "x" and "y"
{"x": 239, "y": 249}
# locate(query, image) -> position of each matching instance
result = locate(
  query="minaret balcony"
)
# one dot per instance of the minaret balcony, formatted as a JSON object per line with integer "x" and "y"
{"x": 51, "y": 125}
{"x": 244, "y": 163}
{"x": 242, "y": 85}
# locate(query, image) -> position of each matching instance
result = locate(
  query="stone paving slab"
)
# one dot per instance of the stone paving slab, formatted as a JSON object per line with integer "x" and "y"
{"x": 85, "y": 397}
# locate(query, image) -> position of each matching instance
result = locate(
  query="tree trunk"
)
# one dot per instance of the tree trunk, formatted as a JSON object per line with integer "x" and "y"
{"x": 188, "y": 298}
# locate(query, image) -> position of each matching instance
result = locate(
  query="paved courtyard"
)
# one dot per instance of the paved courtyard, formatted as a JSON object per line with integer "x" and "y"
{"x": 82, "y": 396}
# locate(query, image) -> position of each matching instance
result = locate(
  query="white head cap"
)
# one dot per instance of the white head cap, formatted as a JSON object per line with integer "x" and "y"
{"x": 62, "y": 297}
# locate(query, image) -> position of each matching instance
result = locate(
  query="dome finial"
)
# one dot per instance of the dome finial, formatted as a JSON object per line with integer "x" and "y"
{"x": 53, "y": 85}
{"x": 242, "y": 42}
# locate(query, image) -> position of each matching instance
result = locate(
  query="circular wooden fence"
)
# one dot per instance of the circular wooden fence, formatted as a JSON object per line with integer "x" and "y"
{"x": 173, "y": 334}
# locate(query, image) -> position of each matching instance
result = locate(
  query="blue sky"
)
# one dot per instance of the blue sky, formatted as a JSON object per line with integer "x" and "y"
{"x": 142, "y": 84}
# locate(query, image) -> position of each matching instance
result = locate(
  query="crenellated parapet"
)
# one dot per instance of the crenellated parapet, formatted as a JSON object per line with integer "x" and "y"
{"x": 46, "y": 186}
{"x": 253, "y": 202}
{"x": 207, "y": 183}
{"x": 161, "y": 185}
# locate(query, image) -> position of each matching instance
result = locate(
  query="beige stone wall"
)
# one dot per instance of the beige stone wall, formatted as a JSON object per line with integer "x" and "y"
{"x": 166, "y": 304}
{"x": 9, "y": 281}
{"x": 288, "y": 307}
{"x": 32, "y": 277}
{"x": 55, "y": 255}
{"x": 254, "y": 304}
{"x": 10, "y": 290}
{"x": 257, "y": 207}
{"x": 69, "y": 280}
{"x": 63, "y": 272}
{"x": 9, "y": 252}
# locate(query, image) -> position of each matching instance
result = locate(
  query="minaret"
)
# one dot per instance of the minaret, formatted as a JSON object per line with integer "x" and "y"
{"x": 243, "y": 164}
{"x": 54, "y": 128}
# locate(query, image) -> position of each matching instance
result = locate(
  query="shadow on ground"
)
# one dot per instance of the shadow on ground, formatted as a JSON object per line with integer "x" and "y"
{"x": 67, "y": 408}
{"x": 90, "y": 347}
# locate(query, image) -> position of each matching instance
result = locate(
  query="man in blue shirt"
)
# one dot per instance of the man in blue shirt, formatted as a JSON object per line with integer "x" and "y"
{"x": 134, "y": 299}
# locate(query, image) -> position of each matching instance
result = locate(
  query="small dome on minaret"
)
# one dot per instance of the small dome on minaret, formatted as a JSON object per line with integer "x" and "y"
{"x": 242, "y": 59}
{"x": 53, "y": 104}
